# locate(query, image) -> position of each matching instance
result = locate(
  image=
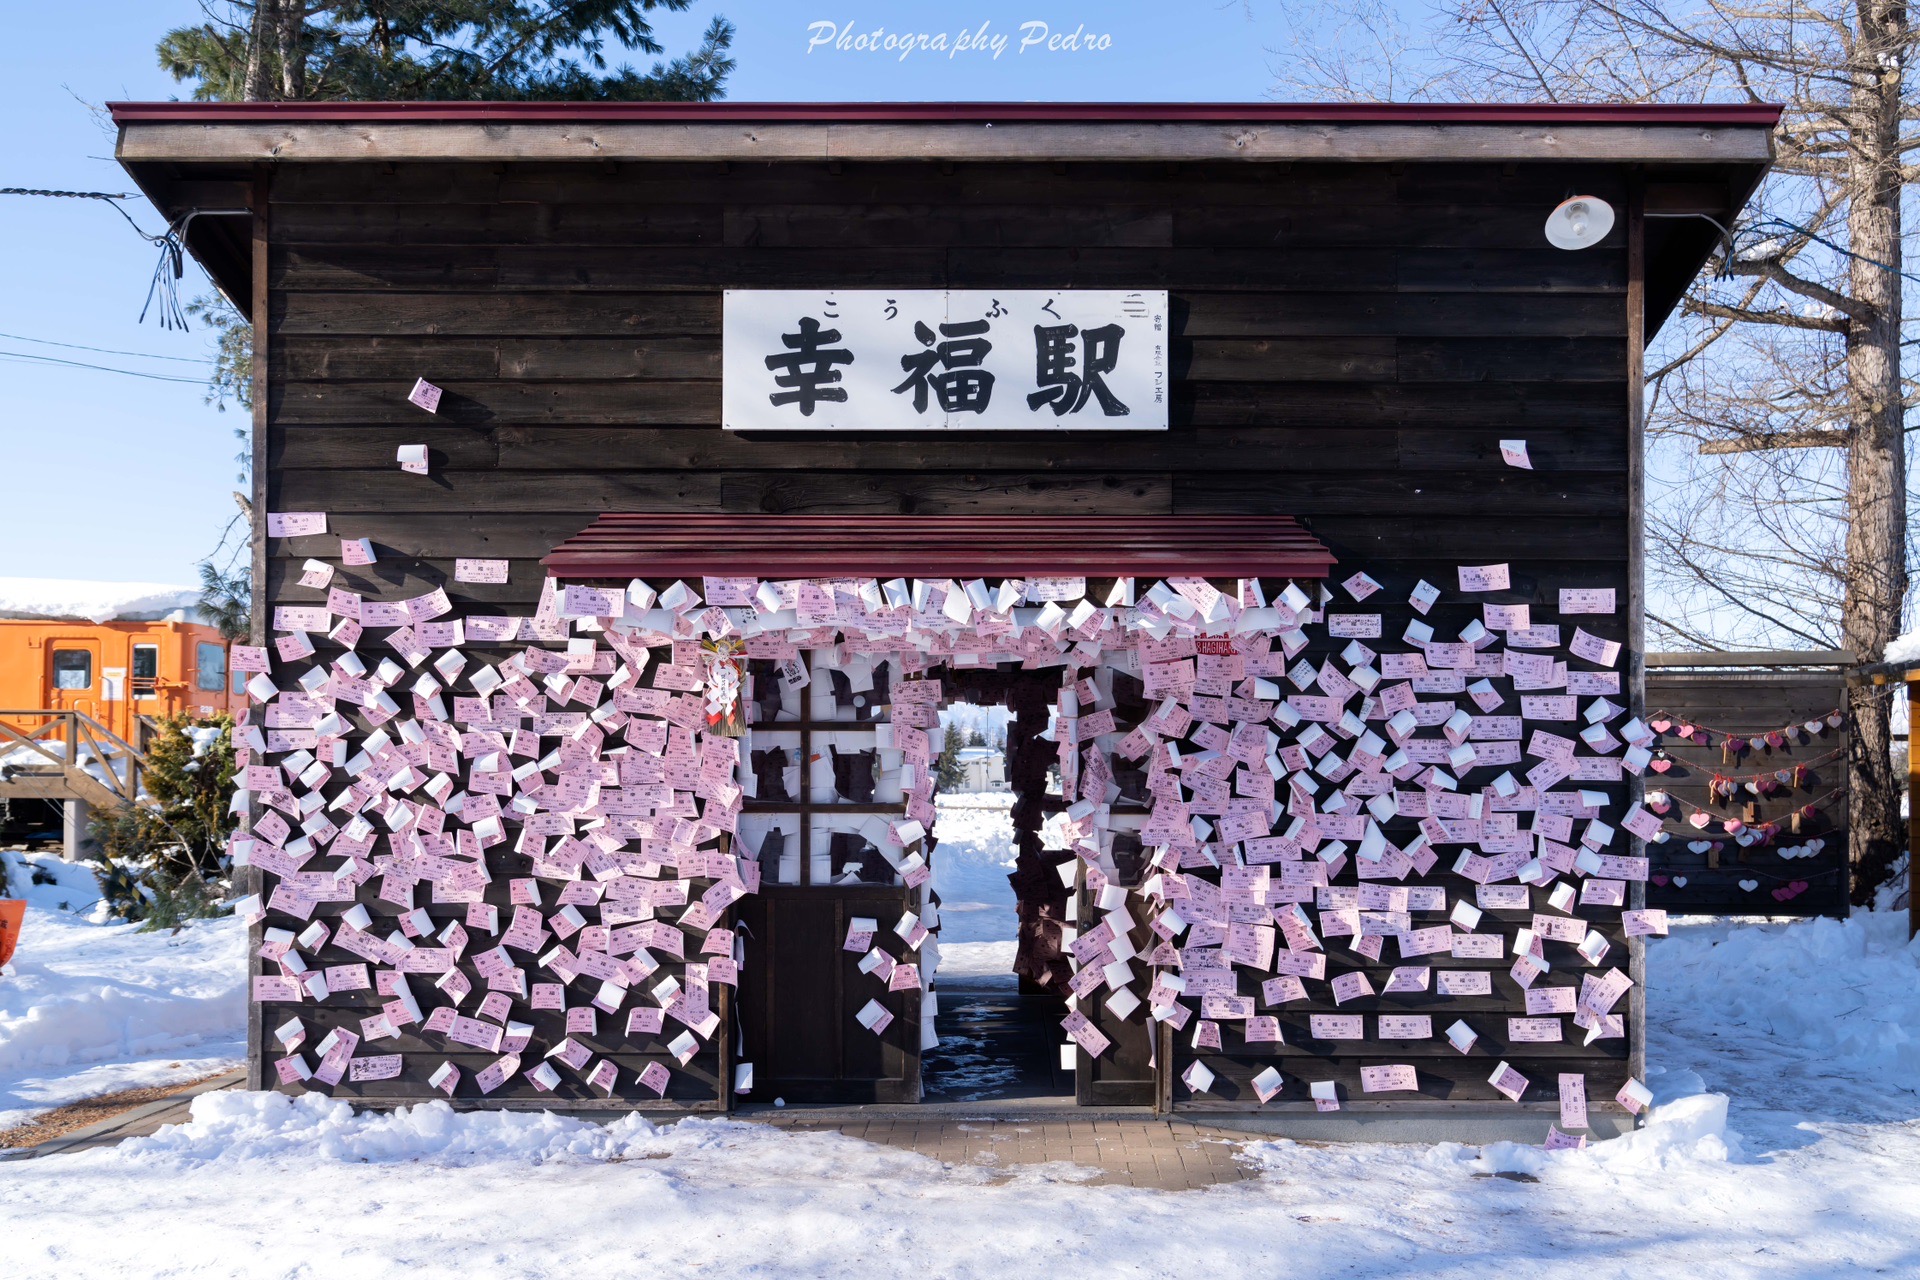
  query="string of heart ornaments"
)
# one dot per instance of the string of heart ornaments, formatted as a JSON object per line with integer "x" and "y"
{"x": 1743, "y": 833}
{"x": 1733, "y": 745}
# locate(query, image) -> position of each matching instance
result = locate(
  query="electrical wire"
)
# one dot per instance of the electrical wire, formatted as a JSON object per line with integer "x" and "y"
{"x": 105, "y": 351}
{"x": 29, "y": 358}
{"x": 171, "y": 267}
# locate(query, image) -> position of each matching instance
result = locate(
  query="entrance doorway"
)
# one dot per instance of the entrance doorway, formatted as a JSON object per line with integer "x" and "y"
{"x": 824, "y": 1016}
{"x": 998, "y": 1032}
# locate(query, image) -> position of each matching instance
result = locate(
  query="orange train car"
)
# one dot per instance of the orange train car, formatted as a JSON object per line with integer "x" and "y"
{"x": 114, "y": 672}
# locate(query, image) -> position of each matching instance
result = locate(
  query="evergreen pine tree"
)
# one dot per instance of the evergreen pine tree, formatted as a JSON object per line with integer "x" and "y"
{"x": 946, "y": 768}
{"x": 414, "y": 50}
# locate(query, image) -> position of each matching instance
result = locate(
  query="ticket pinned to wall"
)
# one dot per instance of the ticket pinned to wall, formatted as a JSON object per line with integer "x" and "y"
{"x": 295, "y": 524}
{"x": 1514, "y": 454}
{"x": 413, "y": 457}
{"x": 479, "y": 570}
{"x": 425, "y": 394}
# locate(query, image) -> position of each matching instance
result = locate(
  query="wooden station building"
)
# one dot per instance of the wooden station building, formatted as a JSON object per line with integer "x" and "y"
{"x": 1360, "y": 306}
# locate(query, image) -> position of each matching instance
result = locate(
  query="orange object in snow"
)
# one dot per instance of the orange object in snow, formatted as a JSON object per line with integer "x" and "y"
{"x": 12, "y": 912}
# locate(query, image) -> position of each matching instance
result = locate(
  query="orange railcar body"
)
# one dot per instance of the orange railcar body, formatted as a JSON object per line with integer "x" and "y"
{"x": 114, "y": 672}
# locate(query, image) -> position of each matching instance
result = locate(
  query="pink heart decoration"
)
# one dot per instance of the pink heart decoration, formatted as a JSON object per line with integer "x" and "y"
{"x": 1686, "y": 730}
{"x": 1699, "y": 819}
{"x": 1661, "y": 725}
{"x": 1835, "y": 720}
{"x": 1699, "y": 737}
{"x": 1660, "y": 764}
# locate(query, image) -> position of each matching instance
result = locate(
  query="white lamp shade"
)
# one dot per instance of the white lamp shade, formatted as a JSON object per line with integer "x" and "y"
{"x": 1579, "y": 222}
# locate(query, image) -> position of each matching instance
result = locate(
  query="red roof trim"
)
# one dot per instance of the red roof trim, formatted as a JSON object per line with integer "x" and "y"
{"x": 773, "y": 546}
{"x": 1713, "y": 114}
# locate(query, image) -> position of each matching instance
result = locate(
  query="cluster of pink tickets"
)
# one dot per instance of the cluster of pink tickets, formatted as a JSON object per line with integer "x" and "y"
{"x": 1307, "y": 821}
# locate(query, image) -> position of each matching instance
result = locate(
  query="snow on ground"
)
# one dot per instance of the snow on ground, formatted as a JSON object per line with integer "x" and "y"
{"x": 1786, "y": 1143}
{"x": 94, "y": 601}
{"x": 93, "y": 1007}
{"x": 978, "y": 923}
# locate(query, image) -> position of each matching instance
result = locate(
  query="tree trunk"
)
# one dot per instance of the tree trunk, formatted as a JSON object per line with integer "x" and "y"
{"x": 1876, "y": 584}
{"x": 259, "y": 38}
{"x": 288, "y": 30}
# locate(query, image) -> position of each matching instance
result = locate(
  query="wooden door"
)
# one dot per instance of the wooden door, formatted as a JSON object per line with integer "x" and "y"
{"x": 1125, "y": 1075}
{"x": 801, "y": 993}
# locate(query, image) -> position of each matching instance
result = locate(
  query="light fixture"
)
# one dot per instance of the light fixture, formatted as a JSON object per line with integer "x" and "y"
{"x": 1579, "y": 222}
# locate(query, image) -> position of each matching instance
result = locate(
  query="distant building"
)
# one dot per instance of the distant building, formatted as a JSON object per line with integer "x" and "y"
{"x": 982, "y": 769}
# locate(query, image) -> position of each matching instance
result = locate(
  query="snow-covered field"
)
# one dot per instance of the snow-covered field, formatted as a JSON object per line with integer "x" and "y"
{"x": 978, "y": 924}
{"x": 1787, "y": 1143}
{"x": 93, "y": 1007}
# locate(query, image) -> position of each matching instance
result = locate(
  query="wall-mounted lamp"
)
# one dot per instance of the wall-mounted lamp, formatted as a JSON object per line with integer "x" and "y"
{"x": 1579, "y": 222}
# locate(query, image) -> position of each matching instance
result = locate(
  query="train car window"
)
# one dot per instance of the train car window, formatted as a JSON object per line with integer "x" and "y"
{"x": 210, "y": 667}
{"x": 72, "y": 669}
{"x": 146, "y": 671}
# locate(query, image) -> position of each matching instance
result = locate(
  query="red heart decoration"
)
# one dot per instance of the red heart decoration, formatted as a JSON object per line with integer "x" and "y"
{"x": 1661, "y": 881}
{"x": 1699, "y": 737}
{"x": 1660, "y": 765}
{"x": 1798, "y": 886}
{"x": 1776, "y": 739}
{"x": 1781, "y": 895}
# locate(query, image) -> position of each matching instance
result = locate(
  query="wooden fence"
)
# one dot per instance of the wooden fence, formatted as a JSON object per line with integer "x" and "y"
{"x": 1766, "y": 762}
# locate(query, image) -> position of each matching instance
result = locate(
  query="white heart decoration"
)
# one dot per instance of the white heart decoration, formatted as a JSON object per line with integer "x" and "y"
{"x": 1749, "y": 885}
{"x": 1746, "y": 838}
{"x": 1815, "y": 845}
{"x": 1811, "y": 726}
{"x": 1699, "y": 846}
{"x": 1679, "y": 882}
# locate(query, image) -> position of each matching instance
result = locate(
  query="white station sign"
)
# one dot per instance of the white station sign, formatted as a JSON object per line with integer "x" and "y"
{"x": 945, "y": 359}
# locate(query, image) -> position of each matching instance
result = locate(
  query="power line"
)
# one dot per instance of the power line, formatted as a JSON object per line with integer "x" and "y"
{"x": 131, "y": 373}
{"x": 105, "y": 351}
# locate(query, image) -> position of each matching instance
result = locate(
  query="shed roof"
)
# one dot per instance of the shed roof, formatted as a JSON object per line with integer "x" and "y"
{"x": 1697, "y": 158}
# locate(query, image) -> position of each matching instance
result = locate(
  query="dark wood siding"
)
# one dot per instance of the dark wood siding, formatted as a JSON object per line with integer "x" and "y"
{"x": 1351, "y": 344}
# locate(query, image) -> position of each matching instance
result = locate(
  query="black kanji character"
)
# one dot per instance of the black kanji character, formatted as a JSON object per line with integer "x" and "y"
{"x": 809, "y": 367}
{"x": 964, "y": 386}
{"x": 1060, "y": 385}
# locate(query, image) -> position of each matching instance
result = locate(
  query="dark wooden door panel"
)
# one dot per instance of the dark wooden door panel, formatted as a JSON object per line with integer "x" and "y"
{"x": 800, "y": 993}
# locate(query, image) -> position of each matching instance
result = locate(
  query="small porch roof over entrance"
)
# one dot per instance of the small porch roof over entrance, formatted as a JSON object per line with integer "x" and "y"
{"x": 775, "y": 546}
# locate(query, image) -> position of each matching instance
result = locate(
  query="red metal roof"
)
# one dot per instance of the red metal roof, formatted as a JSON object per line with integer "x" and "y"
{"x": 774, "y": 546}
{"x": 1453, "y": 113}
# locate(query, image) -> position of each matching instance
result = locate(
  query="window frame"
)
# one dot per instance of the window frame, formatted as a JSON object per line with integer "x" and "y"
{"x": 86, "y": 657}
{"x": 201, "y": 670}
{"x": 143, "y": 688}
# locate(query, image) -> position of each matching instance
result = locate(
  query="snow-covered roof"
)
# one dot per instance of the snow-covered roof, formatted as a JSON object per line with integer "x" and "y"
{"x": 97, "y": 601}
{"x": 1905, "y": 648}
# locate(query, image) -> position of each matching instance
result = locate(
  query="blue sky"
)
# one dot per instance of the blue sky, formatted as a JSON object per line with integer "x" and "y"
{"x": 118, "y": 477}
